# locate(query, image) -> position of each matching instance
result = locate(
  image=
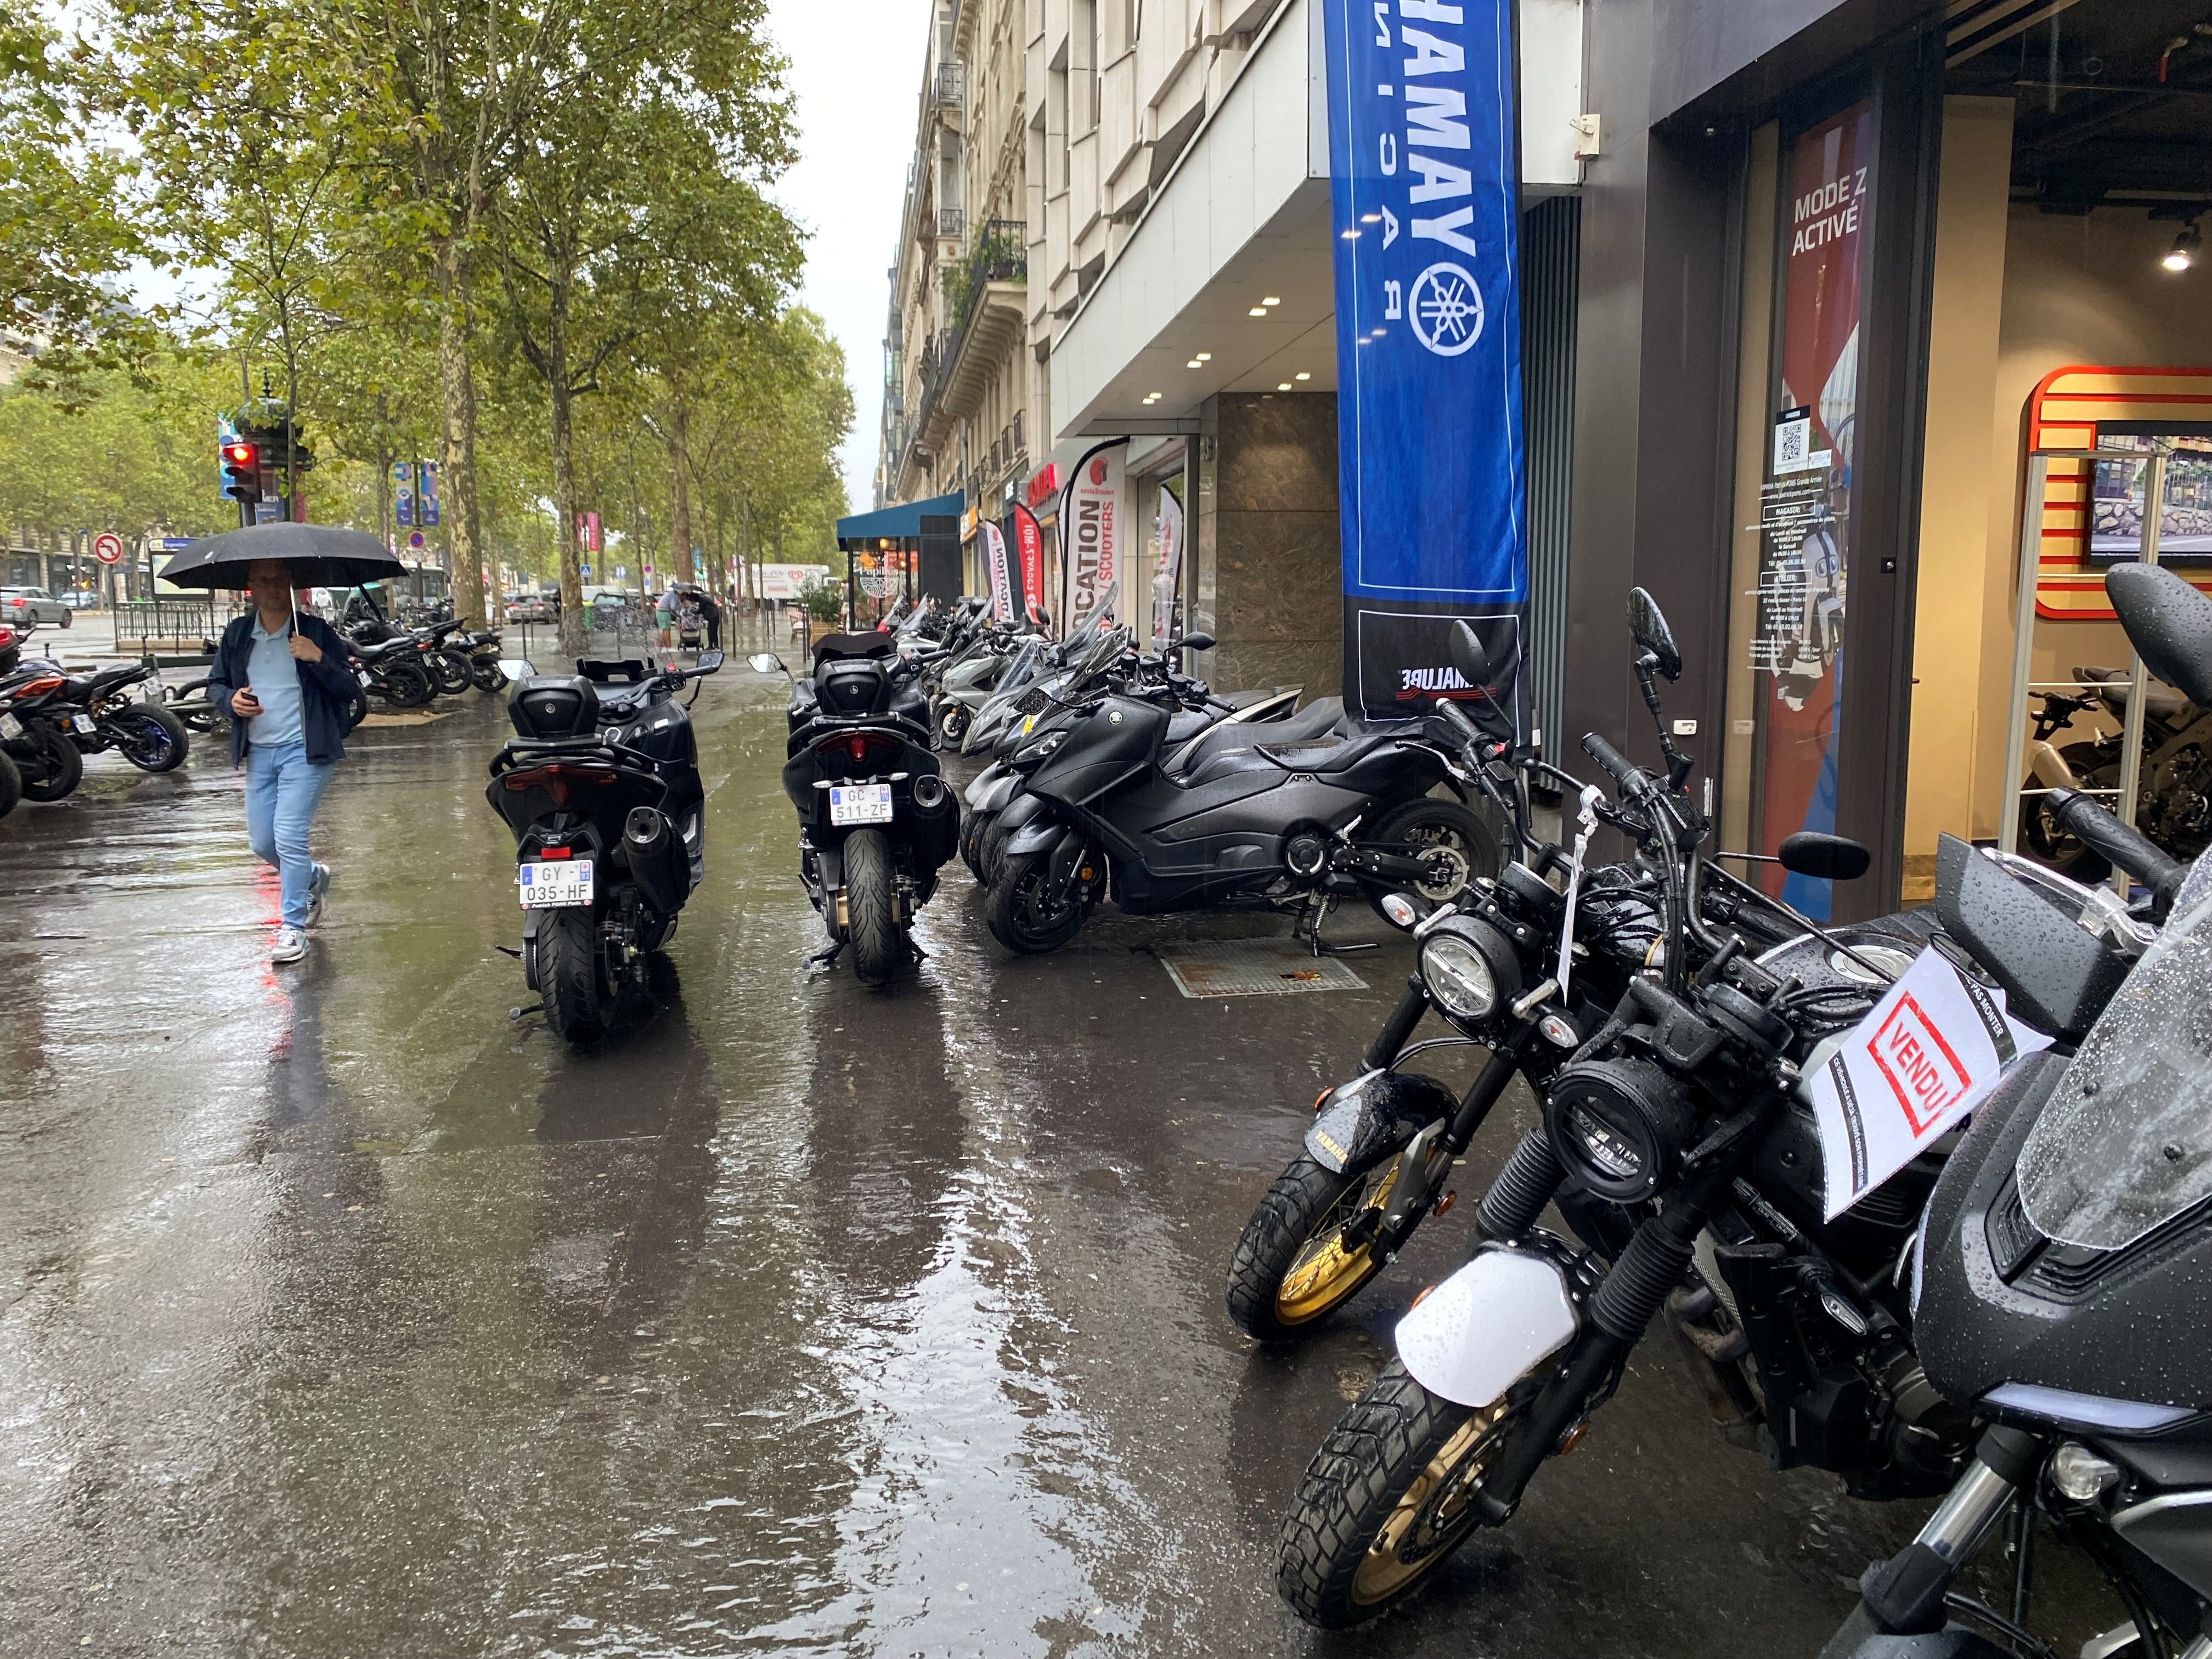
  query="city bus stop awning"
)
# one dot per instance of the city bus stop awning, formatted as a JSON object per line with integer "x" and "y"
{"x": 901, "y": 523}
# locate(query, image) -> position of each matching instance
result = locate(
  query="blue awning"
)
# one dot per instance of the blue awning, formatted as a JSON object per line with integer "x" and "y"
{"x": 897, "y": 523}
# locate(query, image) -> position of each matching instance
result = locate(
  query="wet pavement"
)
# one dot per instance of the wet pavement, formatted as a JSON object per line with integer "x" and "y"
{"x": 341, "y": 1315}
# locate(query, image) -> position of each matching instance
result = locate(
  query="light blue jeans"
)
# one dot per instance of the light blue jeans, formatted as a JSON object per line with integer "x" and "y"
{"x": 282, "y": 788}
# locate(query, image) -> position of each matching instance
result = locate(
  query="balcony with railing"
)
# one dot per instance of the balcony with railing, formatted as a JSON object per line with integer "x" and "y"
{"x": 984, "y": 304}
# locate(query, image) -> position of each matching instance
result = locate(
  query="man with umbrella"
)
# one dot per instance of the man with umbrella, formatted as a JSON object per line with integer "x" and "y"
{"x": 284, "y": 676}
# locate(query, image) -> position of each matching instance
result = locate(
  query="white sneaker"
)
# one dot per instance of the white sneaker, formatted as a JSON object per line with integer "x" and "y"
{"x": 317, "y": 887}
{"x": 291, "y": 945}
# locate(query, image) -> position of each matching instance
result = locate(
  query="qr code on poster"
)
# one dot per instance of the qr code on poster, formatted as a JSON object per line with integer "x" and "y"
{"x": 1793, "y": 437}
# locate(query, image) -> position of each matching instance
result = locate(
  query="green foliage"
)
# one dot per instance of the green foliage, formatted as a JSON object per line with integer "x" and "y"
{"x": 823, "y": 601}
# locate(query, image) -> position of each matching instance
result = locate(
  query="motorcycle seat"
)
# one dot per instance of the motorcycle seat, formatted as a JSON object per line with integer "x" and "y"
{"x": 1186, "y": 724}
{"x": 84, "y": 688}
{"x": 377, "y": 650}
{"x": 1317, "y": 720}
{"x": 2161, "y": 702}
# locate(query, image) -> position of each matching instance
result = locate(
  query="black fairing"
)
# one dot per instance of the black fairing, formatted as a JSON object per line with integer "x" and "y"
{"x": 2057, "y": 976}
{"x": 2001, "y": 1304}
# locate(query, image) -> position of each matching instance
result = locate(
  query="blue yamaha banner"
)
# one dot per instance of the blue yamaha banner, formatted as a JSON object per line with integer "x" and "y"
{"x": 1423, "y": 192}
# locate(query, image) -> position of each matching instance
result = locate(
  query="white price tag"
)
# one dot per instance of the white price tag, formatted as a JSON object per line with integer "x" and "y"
{"x": 1908, "y": 1073}
{"x": 10, "y": 727}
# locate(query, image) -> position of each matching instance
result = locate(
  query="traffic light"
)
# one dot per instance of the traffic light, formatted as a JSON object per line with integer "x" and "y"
{"x": 241, "y": 470}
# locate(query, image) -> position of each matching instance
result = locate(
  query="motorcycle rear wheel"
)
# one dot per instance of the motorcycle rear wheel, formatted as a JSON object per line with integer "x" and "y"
{"x": 1291, "y": 1269}
{"x": 1466, "y": 847}
{"x": 404, "y": 686}
{"x": 53, "y": 767}
{"x": 952, "y": 723}
{"x": 568, "y": 975}
{"x": 11, "y": 786}
{"x": 974, "y": 829}
{"x": 449, "y": 671}
{"x": 871, "y": 908}
{"x": 208, "y": 719}
{"x": 1384, "y": 1501}
{"x": 151, "y": 737}
{"x": 1016, "y": 909}
{"x": 2043, "y": 841}
{"x": 484, "y": 672}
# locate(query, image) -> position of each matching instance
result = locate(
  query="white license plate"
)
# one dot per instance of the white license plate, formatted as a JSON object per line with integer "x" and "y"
{"x": 85, "y": 723}
{"x": 555, "y": 884}
{"x": 10, "y": 727}
{"x": 859, "y": 803}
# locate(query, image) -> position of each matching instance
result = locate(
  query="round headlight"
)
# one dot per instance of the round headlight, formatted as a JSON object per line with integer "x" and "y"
{"x": 1620, "y": 1125}
{"x": 1457, "y": 976}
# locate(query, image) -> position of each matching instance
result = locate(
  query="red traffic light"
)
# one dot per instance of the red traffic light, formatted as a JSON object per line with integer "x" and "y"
{"x": 238, "y": 454}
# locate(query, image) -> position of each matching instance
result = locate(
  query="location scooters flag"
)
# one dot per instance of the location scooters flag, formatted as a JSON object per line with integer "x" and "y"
{"x": 1028, "y": 538}
{"x": 1424, "y": 196}
{"x": 994, "y": 555}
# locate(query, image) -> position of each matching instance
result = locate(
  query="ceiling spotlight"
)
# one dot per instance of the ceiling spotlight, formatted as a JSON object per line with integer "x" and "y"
{"x": 1257, "y": 311}
{"x": 1284, "y": 387}
{"x": 1202, "y": 357}
{"x": 1192, "y": 363}
{"x": 1304, "y": 375}
{"x": 1273, "y": 300}
{"x": 1348, "y": 236}
{"x": 2182, "y": 254}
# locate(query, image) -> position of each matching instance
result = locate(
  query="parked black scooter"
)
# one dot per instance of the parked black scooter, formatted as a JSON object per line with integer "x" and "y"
{"x": 100, "y": 715}
{"x": 34, "y": 725}
{"x": 602, "y": 791}
{"x": 876, "y": 822}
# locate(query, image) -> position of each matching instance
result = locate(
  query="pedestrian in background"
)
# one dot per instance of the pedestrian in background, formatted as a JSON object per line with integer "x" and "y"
{"x": 711, "y": 613}
{"x": 283, "y": 675}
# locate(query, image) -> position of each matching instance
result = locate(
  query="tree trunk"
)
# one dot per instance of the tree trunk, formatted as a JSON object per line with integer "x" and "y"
{"x": 565, "y": 502}
{"x": 680, "y": 494}
{"x": 457, "y": 447}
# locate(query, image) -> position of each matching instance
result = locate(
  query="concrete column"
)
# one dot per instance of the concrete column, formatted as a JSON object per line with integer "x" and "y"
{"x": 1265, "y": 536}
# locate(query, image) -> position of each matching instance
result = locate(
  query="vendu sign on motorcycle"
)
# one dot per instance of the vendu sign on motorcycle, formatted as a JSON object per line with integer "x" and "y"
{"x": 1909, "y": 1073}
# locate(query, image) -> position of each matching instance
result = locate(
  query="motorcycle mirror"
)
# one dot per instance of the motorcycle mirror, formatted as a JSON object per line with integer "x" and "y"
{"x": 765, "y": 662}
{"x": 709, "y": 662}
{"x": 1196, "y": 642}
{"x": 1468, "y": 659}
{"x": 1647, "y": 625}
{"x": 1826, "y": 858}
{"x": 514, "y": 668}
{"x": 2169, "y": 623}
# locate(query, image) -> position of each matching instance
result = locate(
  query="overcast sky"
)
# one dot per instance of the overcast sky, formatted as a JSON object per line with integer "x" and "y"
{"x": 856, "y": 70}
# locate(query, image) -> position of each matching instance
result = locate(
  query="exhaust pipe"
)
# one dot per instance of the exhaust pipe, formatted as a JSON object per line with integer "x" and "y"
{"x": 654, "y": 861}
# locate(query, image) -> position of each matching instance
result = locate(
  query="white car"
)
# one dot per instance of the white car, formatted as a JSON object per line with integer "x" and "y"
{"x": 34, "y": 605}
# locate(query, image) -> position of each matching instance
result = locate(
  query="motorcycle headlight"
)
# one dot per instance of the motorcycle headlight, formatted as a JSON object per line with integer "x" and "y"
{"x": 1029, "y": 753}
{"x": 1458, "y": 977}
{"x": 1620, "y": 1125}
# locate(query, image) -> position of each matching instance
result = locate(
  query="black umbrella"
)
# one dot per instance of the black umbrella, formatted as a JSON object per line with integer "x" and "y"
{"x": 320, "y": 555}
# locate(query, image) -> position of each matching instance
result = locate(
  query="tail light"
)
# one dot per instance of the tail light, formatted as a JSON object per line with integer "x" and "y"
{"x": 556, "y": 780}
{"x": 556, "y": 852}
{"x": 856, "y": 746}
{"x": 40, "y": 686}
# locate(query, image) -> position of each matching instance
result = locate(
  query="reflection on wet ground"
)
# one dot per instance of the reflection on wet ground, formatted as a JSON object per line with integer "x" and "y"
{"x": 340, "y": 1315}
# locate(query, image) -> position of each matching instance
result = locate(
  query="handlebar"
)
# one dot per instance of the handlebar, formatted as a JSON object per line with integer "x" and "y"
{"x": 1450, "y": 713}
{"x": 2090, "y": 824}
{"x": 1615, "y": 764}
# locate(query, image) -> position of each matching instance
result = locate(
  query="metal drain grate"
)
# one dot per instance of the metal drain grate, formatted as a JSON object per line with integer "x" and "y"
{"x": 1254, "y": 967}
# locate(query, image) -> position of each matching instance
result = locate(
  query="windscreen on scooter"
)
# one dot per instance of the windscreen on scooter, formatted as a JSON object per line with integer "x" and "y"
{"x": 2126, "y": 1144}
{"x": 1107, "y": 650}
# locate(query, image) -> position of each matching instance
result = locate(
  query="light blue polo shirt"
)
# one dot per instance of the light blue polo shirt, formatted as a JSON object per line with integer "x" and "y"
{"x": 274, "y": 678}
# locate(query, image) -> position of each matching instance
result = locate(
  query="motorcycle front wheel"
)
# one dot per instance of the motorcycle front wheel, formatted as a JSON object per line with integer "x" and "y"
{"x": 406, "y": 685}
{"x": 11, "y": 786}
{"x": 201, "y": 716}
{"x": 151, "y": 737}
{"x": 51, "y": 764}
{"x": 568, "y": 975}
{"x": 1291, "y": 1269}
{"x": 952, "y": 723}
{"x": 1386, "y": 1499}
{"x": 871, "y": 907}
{"x": 1021, "y": 917}
{"x": 484, "y": 672}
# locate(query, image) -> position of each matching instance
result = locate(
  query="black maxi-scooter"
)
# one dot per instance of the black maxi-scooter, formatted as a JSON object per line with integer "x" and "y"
{"x": 876, "y": 822}
{"x": 602, "y": 790}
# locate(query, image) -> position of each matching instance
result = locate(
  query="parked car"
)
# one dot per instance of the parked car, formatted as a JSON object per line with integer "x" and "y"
{"x": 34, "y": 605}
{"x": 82, "y": 599}
{"x": 529, "y": 607}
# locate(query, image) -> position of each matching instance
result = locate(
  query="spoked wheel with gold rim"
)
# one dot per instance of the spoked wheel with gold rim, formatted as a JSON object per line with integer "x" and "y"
{"x": 1290, "y": 1268}
{"x": 1387, "y": 1499}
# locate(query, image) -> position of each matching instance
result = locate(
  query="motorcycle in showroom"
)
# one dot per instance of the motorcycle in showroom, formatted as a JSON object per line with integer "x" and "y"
{"x": 876, "y": 821}
{"x": 2173, "y": 808}
{"x": 601, "y": 788}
